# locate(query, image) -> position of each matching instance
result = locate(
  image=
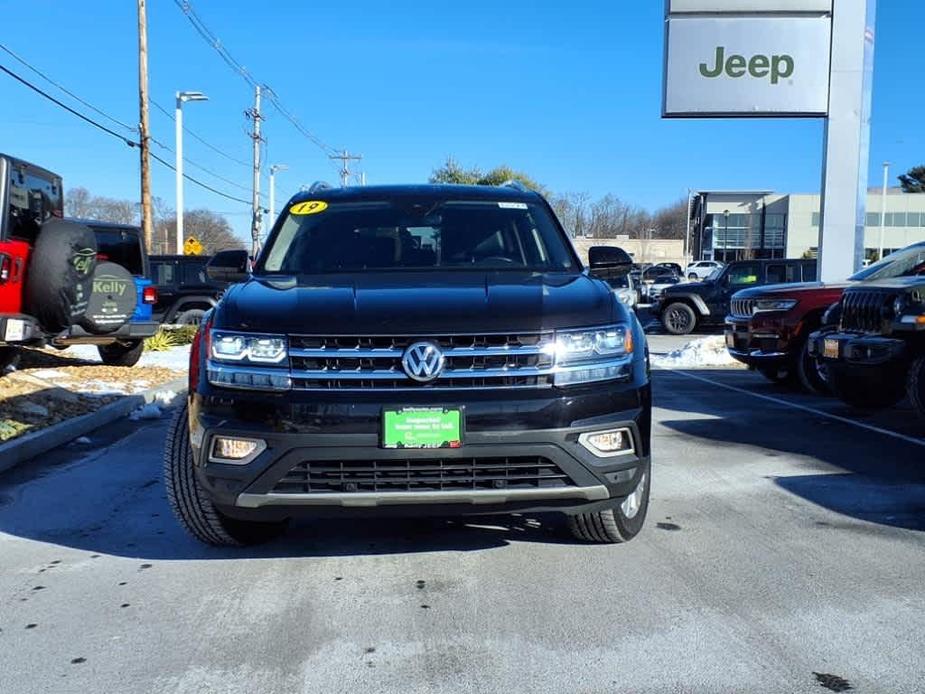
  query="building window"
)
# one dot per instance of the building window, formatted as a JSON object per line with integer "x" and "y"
{"x": 817, "y": 218}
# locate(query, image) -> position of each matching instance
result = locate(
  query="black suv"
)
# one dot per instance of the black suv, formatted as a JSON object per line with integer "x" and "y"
{"x": 876, "y": 354}
{"x": 409, "y": 350}
{"x": 184, "y": 290}
{"x": 685, "y": 307}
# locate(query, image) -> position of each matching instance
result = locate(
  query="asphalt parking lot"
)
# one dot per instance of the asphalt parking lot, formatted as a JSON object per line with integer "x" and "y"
{"x": 784, "y": 551}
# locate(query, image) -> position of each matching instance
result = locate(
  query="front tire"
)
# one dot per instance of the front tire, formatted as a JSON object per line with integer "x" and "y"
{"x": 679, "y": 319}
{"x": 189, "y": 503}
{"x": 122, "y": 353}
{"x": 618, "y": 524}
{"x": 812, "y": 373}
{"x": 915, "y": 386}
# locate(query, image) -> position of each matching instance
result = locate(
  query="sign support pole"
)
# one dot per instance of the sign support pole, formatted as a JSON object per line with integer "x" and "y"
{"x": 847, "y": 140}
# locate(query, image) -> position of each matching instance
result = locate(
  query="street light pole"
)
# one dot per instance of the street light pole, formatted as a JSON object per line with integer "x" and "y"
{"x": 274, "y": 169}
{"x": 725, "y": 235}
{"x": 886, "y": 178}
{"x": 178, "y": 120}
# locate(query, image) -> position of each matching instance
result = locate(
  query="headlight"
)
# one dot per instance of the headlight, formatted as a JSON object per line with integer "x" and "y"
{"x": 762, "y": 305}
{"x": 255, "y": 349}
{"x": 900, "y": 304}
{"x": 578, "y": 346}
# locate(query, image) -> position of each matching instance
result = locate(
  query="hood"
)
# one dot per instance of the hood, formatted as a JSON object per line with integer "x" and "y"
{"x": 418, "y": 303}
{"x": 793, "y": 289}
{"x": 895, "y": 283}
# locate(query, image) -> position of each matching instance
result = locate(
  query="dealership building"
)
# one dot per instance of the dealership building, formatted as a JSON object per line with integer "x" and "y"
{"x": 740, "y": 225}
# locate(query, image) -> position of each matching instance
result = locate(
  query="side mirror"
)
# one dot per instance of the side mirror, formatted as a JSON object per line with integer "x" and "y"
{"x": 609, "y": 262}
{"x": 228, "y": 266}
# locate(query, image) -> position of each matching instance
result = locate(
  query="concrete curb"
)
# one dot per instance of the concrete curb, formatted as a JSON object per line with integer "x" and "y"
{"x": 28, "y": 446}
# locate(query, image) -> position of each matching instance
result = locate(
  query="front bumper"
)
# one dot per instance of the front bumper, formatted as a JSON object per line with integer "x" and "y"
{"x": 857, "y": 349}
{"x": 757, "y": 348}
{"x": 133, "y": 330}
{"x": 338, "y": 430}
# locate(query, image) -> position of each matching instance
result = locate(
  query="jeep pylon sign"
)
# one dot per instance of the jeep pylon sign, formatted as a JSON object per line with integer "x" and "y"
{"x": 726, "y": 65}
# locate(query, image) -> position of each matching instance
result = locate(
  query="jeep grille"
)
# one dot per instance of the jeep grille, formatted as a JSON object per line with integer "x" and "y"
{"x": 865, "y": 310}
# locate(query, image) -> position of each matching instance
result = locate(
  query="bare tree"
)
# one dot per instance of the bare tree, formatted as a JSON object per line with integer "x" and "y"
{"x": 211, "y": 229}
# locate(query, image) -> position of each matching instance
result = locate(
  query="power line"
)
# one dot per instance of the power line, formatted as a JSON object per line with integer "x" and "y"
{"x": 195, "y": 136}
{"x": 22, "y": 80}
{"x": 187, "y": 8}
{"x": 109, "y": 131}
{"x": 102, "y": 113}
{"x": 64, "y": 89}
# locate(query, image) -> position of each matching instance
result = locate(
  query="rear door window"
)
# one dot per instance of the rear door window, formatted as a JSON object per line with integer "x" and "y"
{"x": 194, "y": 273}
{"x": 120, "y": 246}
{"x": 777, "y": 274}
{"x": 809, "y": 272}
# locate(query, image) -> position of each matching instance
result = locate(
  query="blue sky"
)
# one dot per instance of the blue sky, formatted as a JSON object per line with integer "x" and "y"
{"x": 568, "y": 93}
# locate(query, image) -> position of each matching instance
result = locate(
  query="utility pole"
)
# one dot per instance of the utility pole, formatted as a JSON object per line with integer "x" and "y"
{"x": 346, "y": 158}
{"x": 254, "y": 114}
{"x": 147, "y": 222}
{"x": 886, "y": 180}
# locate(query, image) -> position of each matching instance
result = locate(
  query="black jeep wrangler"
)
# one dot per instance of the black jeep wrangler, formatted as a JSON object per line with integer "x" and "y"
{"x": 414, "y": 350}
{"x": 682, "y": 308}
{"x": 876, "y": 354}
{"x": 184, "y": 290}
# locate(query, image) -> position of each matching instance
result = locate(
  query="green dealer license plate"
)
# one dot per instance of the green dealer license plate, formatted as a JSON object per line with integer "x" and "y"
{"x": 422, "y": 427}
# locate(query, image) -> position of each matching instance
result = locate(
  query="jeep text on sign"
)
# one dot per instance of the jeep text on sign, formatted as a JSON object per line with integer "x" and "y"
{"x": 747, "y": 66}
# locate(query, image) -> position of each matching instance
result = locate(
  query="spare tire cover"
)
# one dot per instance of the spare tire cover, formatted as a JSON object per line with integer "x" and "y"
{"x": 59, "y": 274}
{"x": 113, "y": 298}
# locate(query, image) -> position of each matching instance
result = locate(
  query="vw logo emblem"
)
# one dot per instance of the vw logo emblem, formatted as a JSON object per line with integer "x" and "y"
{"x": 423, "y": 361}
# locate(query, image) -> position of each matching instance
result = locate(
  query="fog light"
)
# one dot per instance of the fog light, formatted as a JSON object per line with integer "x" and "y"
{"x": 606, "y": 444}
{"x": 234, "y": 450}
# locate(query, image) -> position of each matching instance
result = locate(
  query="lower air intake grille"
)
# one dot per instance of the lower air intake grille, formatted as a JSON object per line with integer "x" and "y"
{"x": 426, "y": 475}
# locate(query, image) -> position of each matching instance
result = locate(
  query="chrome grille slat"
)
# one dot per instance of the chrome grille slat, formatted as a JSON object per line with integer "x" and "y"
{"x": 742, "y": 308}
{"x": 472, "y": 361}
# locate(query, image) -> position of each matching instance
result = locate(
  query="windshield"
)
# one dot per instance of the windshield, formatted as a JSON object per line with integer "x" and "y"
{"x": 904, "y": 263}
{"x": 393, "y": 236}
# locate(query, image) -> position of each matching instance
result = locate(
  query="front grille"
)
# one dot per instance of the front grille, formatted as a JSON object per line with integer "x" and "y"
{"x": 365, "y": 362}
{"x": 431, "y": 474}
{"x": 865, "y": 310}
{"x": 742, "y": 308}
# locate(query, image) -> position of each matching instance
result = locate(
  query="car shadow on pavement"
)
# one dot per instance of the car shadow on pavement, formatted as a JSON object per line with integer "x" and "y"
{"x": 855, "y": 472}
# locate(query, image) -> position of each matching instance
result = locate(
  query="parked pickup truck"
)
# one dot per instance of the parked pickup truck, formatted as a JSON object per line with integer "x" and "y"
{"x": 768, "y": 328}
{"x": 686, "y": 307}
{"x": 414, "y": 350}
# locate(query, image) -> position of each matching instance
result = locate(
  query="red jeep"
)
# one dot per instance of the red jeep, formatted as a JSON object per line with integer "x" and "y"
{"x": 49, "y": 276}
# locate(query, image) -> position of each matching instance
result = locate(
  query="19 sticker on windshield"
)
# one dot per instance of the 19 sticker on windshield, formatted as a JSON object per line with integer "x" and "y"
{"x": 309, "y": 207}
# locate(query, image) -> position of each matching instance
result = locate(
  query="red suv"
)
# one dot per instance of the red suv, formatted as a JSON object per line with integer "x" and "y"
{"x": 768, "y": 327}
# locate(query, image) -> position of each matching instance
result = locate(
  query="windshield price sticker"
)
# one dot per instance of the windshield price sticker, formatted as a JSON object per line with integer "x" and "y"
{"x": 308, "y": 207}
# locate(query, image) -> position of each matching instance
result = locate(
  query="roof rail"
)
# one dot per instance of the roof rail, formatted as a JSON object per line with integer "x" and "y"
{"x": 319, "y": 186}
{"x": 516, "y": 185}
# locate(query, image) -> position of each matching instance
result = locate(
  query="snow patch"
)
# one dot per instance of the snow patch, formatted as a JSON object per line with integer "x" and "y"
{"x": 165, "y": 397}
{"x": 702, "y": 353}
{"x": 49, "y": 374}
{"x": 150, "y": 410}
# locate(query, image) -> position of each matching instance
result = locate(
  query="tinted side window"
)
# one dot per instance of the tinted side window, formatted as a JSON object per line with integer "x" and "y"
{"x": 121, "y": 247}
{"x": 164, "y": 273}
{"x": 33, "y": 199}
{"x": 746, "y": 273}
{"x": 777, "y": 274}
{"x": 809, "y": 272}
{"x": 194, "y": 273}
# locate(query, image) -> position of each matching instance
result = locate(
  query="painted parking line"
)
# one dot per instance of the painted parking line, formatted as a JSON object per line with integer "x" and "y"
{"x": 804, "y": 408}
